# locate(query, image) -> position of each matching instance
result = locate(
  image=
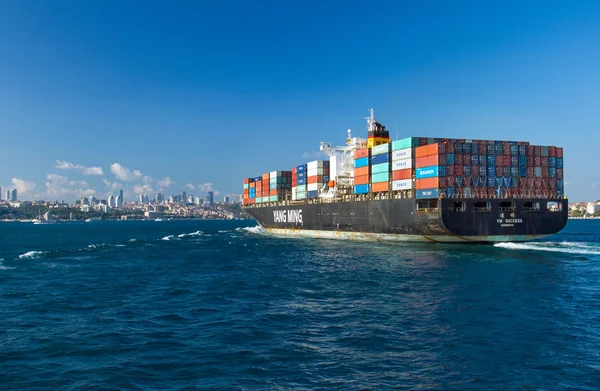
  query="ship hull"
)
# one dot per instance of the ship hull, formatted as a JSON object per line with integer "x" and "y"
{"x": 411, "y": 220}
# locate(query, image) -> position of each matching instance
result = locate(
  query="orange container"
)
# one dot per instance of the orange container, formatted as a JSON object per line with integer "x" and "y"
{"x": 315, "y": 179}
{"x": 361, "y": 171}
{"x": 273, "y": 192}
{"x": 426, "y": 161}
{"x": 361, "y": 153}
{"x": 246, "y": 192}
{"x": 399, "y": 175}
{"x": 252, "y": 201}
{"x": 428, "y": 183}
{"x": 265, "y": 177}
{"x": 361, "y": 180}
{"x": 246, "y": 202}
{"x": 252, "y": 184}
{"x": 426, "y": 150}
{"x": 378, "y": 187}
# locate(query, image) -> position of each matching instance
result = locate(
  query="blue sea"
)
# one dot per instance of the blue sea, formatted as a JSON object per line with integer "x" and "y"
{"x": 185, "y": 305}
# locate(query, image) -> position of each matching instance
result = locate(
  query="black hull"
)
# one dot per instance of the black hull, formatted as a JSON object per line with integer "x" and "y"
{"x": 443, "y": 220}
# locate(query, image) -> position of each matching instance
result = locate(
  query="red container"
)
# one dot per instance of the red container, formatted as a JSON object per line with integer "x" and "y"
{"x": 529, "y": 172}
{"x": 450, "y": 181}
{"x": 458, "y": 159}
{"x": 273, "y": 192}
{"x": 362, "y": 171}
{"x": 537, "y": 161}
{"x": 467, "y": 158}
{"x": 559, "y": 173}
{"x": 559, "y": 152}
{"x": 360, "y": 153}
{"x": 545, "y": 183}
{"x": 247, "y": 181}
{"x": 475, "y": 170}
{"x": 379, "y": 187}
{"x": 552, "y": 151}
{"x": 483, "y": 149}
{"x": 426, "y": 161}
{"x": 442, "y": 182}
{"x": 428, "y": 183}
{"x": 507, "y": 160}
{"x": 450, "y": 170}
{"x": 252, "y": 201}
{"x": 401, "y": 174}
{"x": 545, "y": 172}
{"x": 552, "y": 183}
{"x": 506, "y": 148}
{"x": 252, "y": 185}
{"x": 544, "y": 161}
{"x": 431, "y": 149}
{"x": 499, "y": 171}
{"x": 450, "y": 147}
{"x": 537, "y": 150}
{"x": 361, "y": 180}
{"x": 458, "y": 170}
{"x": 537, "y": 182}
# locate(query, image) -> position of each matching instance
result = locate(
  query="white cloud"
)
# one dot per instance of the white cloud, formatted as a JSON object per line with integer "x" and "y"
{"x": 594, "y": 184}
{"x": 85, "y": 170}
{"x": 126, "y": 174}
{"x": 143, "y": 189}
{"x": 313, "y": 155}
{"x": 190, "y": 186}
{"x": 59, "y": 187}
{"x": 205, "y": 187}
{"x": 24, "y": 188}
{"x": 165, "y": 182}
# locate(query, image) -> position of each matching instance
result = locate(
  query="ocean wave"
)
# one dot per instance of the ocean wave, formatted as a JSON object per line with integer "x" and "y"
{"x": 197, "y": 233}
{"x": 2, "y": 267}
{"x": 561, "y": 247}
{"x": 32, "y": 255}
{"x": 95, "y": 246}
{"x": 253, "y": 230}
{"x": 132, "y": 240}
{"x": 168, "y": 237}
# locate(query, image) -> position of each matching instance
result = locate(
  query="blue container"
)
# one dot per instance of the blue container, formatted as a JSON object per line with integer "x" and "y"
{"x": 301, "y": 175}
{"x": 514, "y": 182}
{"x": 491, "y": 160}
{"x": 499, "y": 148}
{"x": 362, "y": 162}
{"x": 361, "y": 189}
{"x": 474, "y": 148}
{"x": 559, "y": 162}
{"x": 560, "y": 183}
{"x": 499, "y": 182}
{"x": 381, "y": 158}
{"x": 514, "y": 150}
{"x": 312, "y": 194}
{"x": 491, "y": 149}
{"x": 506, "y": 171}
{"x": 301, "y": 181}
{"x": 491, "y": 170}
{"x": 522, "y": 150}
{"x": 449, "y": 192}
{"x": 459, "y": 180}
{"x": 552, "y": 172}
{"x": 514, "y": 171}
{"x": 300, "y": 168}
{"x": 552, "y": 161}
{"x": 467, "y": 170}
{"x": 560, "y": 192}
{"x": 258, "y": 179}
{"x": 491, "y": 181}
{"x": 427, "y": 193}
{"x": 523, "y": 171}
{"x": 523, "y": 161}
{"x": 427, "y": 172}
{"x": 449, "y": 158}
{"x": 252, "y": 193}
{"x": 514, "y": 161}
{"x": 482, "y": 170}
{"x": 474, "y": 159}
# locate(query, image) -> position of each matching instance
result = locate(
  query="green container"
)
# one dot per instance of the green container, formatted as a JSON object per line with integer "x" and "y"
{"x": 409, "y": 142}
{"x": 381, "y": 177}
{"x": 246, "y": 186}
{"x": 380, "y": 149}
{"x": 258, "y": 200}
{"x": 377, "y": 168}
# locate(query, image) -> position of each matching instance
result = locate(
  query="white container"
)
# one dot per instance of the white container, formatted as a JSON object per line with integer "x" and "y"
{"x": 405, "y": 184}
{"x": 317, "y": 171}
{"x": 301, "y": 188}
{"x": 402, "y": 154}
{"x": 294, "y": 194}
{"x": 401, "y": 164}
{"x": 275, "y": 174}
{"x": 314, "y": 186}
{"x": 314, "y": 164}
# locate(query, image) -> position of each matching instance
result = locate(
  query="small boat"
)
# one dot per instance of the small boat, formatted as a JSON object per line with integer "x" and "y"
{"x": 92, "y": 219}
{"x": 159, "y": 219}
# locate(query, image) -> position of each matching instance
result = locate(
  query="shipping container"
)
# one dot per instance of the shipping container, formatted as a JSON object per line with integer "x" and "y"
{"x": 380, "y": 187}
{"x": 380, "y": 177}
{"x": 380, "y": 149}
{"x": 361, "y": 171}
{"x": 312, "y": 194}
{"x": 428, "y": 193}
{"x": 317, "y": 164}
{"x": 427, "y": 172}
{"x": 362, "y": 162}
{"x": 405, "y": 184}
{"x": 406, "y": 143}
{"x": 361, "y": 189}
{"x": 318, "y": 179}
{"x": 361, "y": 180}
{"x": 401, "y": 164}
{"x": 317, "y": 171}
{"x": 377, "y": 168}
{"x": 431, "y": 149}
{"x": 314, "y": 186}
{"x": 427, "y": 183}
{"x": 378, "y": 159}
{"x": 401, "y": 154}
{"x": 401, "y": 174}
{"x": 360, "y": 153}
{"x": 431, "y": 160}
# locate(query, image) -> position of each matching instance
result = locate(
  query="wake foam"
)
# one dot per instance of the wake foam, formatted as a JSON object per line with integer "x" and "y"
{"x": 32, "y": 255}
{"x": 197, "y": 233}
{"x": 258, "y": 230}
{"x": 560, "y": 247}
{"x": 2, "y": 267}
{"x": 168, "y": 237}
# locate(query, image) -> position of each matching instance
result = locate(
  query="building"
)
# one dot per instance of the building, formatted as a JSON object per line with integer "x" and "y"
{"x": 13, "y": 197}
{"x": 226, "y": 199}
{"x": 211, "y": 197}
{"x": 122, "y": 198}
{"x": 160, "y": 197}
{"x": 591, "y": 208}
{"x": 8, "y": 195}
{"x": 92, "y": 200}
{"x": 118, "y": 202}
{"x": 111, "y": 201}
{"x": 153, "y": 214}
{"x": 183, "y": 197}
{"x": 141, "y": 198}
{"x": 0, "y": 193}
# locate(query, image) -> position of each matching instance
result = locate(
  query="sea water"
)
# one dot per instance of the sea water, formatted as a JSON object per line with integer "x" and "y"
{"x": 221, "y": 305}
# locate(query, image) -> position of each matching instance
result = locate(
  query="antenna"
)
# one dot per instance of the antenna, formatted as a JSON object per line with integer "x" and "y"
{"x": 371, "y": 120}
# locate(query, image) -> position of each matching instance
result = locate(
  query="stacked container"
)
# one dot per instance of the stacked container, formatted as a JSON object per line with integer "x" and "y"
{"x": 430, "y": 164}
{"x": 317, "y": 176}
{"x": 403, "y": 163}
{"x": 280, "y": 183}
{"x": 380, "y": 168}
{"x": 301, "y": 182}
{"x": 362, "y": 171}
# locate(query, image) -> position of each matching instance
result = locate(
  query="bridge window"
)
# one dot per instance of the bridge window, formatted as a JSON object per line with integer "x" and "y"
{"x": 482, "y": 206}
{"x": 458, "y": 206}
{"x": 425, "y": 205}
{"x": 531, "y": 206}
{"x": 507, "y": 205}
{"x": 554, "y": 206}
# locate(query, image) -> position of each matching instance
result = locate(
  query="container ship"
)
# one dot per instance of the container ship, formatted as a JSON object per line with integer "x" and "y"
{"x": 415, "y": 189}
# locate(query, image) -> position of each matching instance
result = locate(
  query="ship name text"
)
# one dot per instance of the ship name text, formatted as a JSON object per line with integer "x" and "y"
{"x": 292, "y": 216}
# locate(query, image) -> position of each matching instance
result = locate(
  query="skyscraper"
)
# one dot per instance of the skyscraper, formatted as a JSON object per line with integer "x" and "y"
{"x": 141, "y": 198}
{"x": 0, "y": 192}
{"x": 121, "y": 195}
{"x": 111, "y": 201}
{"x": 184, "y": 197}
{"x": 7, "y": 194}
{"x": 226, "y": 199}
{"x": 118, "y": 202}
{"x": 160, "y": 197}
{"x": 211, "y": 197}
{"x": 14, "y": 195}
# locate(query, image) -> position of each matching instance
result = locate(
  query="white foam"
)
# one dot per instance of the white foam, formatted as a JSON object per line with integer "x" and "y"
{"x": 133, "y": 240}
{"x": 2, "y": 267}
{"x": 561, "y": 247}
{"x": 31, "y": 255}
{"x": 197, "y": 233}
{"x": 253, "y": 230}
{"x": 168, "y": 237}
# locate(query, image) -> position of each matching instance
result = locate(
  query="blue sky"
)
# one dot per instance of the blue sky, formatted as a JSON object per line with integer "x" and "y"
{"x": 149, "y": 96}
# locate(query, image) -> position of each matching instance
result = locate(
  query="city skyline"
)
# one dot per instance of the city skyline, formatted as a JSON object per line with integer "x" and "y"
{"x": 179, "y": 105}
